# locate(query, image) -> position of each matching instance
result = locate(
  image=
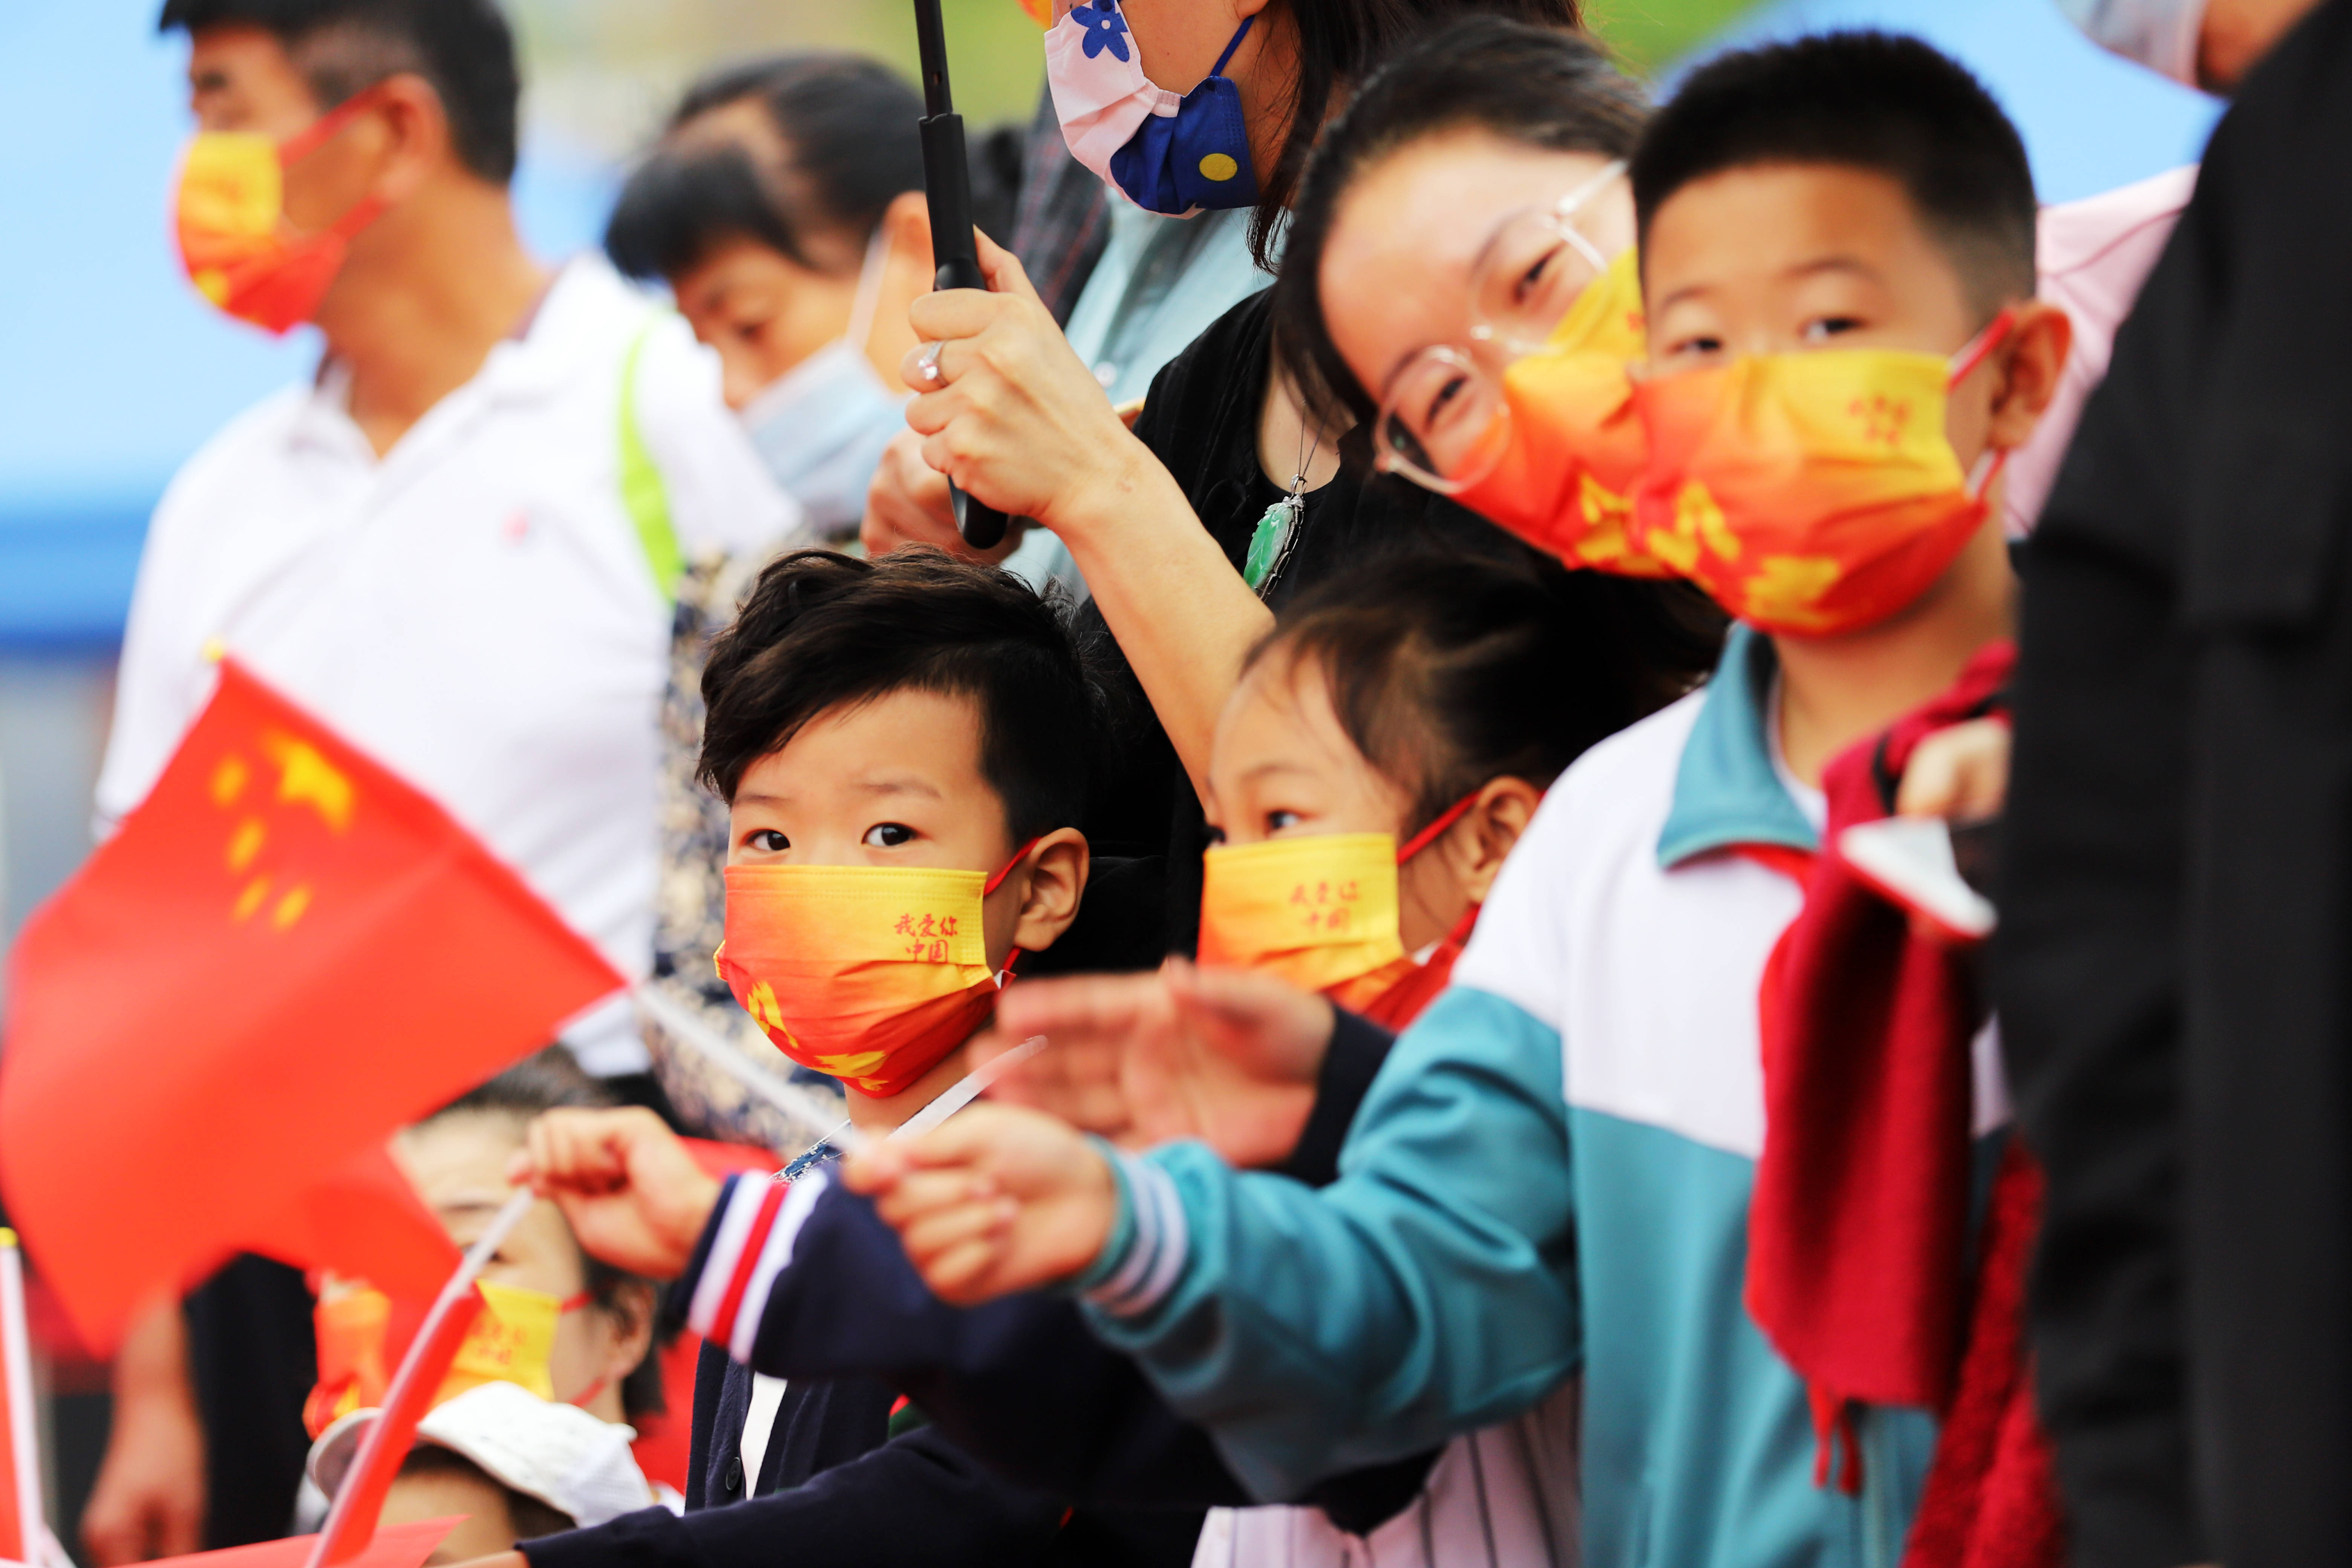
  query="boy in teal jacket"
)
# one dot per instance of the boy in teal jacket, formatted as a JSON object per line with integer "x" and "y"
{"x": 1552, "y": 1173}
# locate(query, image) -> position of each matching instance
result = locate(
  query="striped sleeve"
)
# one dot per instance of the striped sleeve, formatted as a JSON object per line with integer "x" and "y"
{"x": 749, "y": 1244}
{"x": 1137, "y": 1270}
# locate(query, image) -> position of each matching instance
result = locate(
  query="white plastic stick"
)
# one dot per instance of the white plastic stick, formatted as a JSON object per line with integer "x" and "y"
{"x": 968, "y": 1088}
{"x": 685, "y": 1027}
{"x": 681, "y": 1025}
{"x": 16, "y": 1358}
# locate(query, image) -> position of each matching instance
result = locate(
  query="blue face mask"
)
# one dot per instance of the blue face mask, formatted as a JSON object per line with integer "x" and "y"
{"x": 821, "y": 426}
{"x": 1169, "y": 155}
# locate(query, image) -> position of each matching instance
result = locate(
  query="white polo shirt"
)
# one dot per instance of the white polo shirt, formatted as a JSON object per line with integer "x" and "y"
{"x": 477, "y": 609}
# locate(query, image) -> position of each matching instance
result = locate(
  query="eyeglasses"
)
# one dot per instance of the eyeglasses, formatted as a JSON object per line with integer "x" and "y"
{"x": 1444, "y": 423}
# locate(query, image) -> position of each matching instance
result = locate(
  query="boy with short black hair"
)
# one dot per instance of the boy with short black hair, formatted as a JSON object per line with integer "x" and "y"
{"x": 904, "y": 745}
{"x": 1553, "y": 1174}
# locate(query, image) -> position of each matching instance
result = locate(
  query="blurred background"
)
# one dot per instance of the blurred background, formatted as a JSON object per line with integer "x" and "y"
{"x": 113, "y": 370}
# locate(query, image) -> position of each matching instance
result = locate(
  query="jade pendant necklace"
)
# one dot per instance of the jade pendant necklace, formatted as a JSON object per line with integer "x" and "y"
{"x": 1277, "y": 534}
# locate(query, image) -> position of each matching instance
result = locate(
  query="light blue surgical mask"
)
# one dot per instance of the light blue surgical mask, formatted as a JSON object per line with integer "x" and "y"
{"x": 821, "y": 426}
{"x": 2159, "y": 34}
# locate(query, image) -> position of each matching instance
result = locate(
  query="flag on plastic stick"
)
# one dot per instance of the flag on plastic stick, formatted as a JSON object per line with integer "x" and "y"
{"x": 286, "y": 953}
{"x": 351, "y": 1522}
{"x": 23, "y": 1533}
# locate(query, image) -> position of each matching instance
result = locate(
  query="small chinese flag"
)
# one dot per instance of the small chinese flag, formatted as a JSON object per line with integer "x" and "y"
{"x": 285, "y": 954}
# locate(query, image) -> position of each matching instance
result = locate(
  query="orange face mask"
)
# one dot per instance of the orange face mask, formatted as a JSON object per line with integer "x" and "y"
{"x": 1322, "y": 913}
{"x": 1570, "y": 446}
{"x": 1810, "y": 493}
{"x": 512, "y": 1339}
{"x": 236, "y": 243}
{"x": 867, "y": 974}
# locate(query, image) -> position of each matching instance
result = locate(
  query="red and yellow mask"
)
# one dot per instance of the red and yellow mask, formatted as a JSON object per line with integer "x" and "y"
{"x": 238, "y": 247}
{"x": 1571, "y": 445}
{"x": 867, "y": 974}
{"x": 512, "y": 1339}
{"x": 1322, "y": 913}
{"x": 1810, "y": 493}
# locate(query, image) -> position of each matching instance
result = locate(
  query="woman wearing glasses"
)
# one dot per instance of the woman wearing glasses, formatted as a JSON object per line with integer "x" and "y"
{"x": 1252, "y": 470}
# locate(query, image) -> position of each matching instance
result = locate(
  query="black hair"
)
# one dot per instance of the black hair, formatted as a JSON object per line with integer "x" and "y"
{"x": 1537, "y": 87}
{"x": 554, "y": 1080}
{"x": 845, "y": 148}
{"x": 1449, "y": 671}
{"x": 462, "y": 47}
{"x": 1341, "y": 42}
{"x": 530, "y": 1517}
{"x": 821, "y": 631}
{"x": 1877, "y": 101}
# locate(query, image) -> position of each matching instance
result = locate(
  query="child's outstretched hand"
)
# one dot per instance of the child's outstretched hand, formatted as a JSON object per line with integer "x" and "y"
{"x": 1222, "y": 1055}
{"x": 634, "y": 1197}
{"x": 996, "y": 1200}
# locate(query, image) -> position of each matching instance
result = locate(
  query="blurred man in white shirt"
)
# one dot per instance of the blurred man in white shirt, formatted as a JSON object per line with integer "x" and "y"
{"x": 458, "y": 544}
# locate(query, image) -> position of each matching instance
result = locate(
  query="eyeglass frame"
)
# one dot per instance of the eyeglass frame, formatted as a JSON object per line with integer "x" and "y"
{"x": 1464, "y": 357}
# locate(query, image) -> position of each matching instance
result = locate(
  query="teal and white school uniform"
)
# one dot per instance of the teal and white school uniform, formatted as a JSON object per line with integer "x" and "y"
{"x": 1550, "y": 1176}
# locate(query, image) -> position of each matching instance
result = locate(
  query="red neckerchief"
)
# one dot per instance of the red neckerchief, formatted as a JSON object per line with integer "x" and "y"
{"x": 1395, "y": 1008}
{"x": 1859, "y": 1257}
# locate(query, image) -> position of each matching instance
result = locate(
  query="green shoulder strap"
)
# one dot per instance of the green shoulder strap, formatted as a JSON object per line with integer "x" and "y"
{"x": 643, "y": 494}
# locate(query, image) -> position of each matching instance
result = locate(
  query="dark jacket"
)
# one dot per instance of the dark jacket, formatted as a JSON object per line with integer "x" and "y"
{"x": 1021, "y": 1381}
{"x": 2175, "y": 966}
{"x": 833, "y": 1478}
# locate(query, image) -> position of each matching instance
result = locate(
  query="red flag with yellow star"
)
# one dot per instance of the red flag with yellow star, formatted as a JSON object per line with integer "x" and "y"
{"x": 285, "y": 954}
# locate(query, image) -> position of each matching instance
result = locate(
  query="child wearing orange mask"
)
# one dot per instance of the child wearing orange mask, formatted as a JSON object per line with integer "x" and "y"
{"x": 1381, "y": 754}
{"x": 903, "y": 745}
{"x": 1550, "y": 1183}
{"x": 1382, "y": 751}
{"x": 559, "y": 1322}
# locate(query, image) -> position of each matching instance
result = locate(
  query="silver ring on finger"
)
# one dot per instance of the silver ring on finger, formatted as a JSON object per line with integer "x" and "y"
{"x": 928, "y": 363}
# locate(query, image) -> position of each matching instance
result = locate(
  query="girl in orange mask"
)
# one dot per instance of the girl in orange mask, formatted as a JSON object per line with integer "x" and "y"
{"x": 1378, "y": 760}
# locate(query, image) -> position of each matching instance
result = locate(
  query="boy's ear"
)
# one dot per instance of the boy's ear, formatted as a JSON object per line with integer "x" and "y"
{"x": 1055, "y": 880}
{"x": 1490, "y": 829}
{"x": 2040, "y": 341}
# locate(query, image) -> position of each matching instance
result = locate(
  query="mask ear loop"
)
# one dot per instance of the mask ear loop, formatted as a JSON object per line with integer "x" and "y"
{"x": 1974, "y": 352}
{"x": 316, "y": 134}
{"x": 1234, "y": 43}
{"x": 1437, "y": 827}
{"x": 1430, "y": 835}
{"x": 997, "y": 881}
{"x": 1979, "y": 349}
